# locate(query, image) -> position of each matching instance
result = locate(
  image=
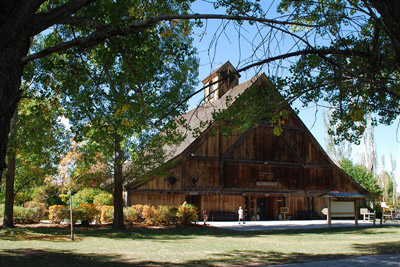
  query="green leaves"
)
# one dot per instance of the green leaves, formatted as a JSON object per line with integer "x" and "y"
{"x": 352, "y": 69}
{"x": 362, "y": 176}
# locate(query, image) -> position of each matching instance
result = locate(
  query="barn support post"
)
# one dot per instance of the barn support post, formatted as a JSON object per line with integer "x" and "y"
{"x": 355, "y": 213}
{"x": 329, "y": 213}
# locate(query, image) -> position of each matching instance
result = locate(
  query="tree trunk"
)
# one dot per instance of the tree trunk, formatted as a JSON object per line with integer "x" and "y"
{"x": 13, "y": 46}
{"x": 118, "y": 222}
{"x": 8, "y": 220}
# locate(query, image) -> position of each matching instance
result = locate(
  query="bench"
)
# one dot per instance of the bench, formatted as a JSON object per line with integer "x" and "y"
{"x": 386, "y": 217}
{"x": 367, "y": 214}
{"x": 223, "y": 216}
{"x": 307, "y": 215}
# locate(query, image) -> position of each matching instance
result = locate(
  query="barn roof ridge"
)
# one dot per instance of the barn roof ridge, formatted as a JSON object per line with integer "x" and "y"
{"x": 203, "y": 113}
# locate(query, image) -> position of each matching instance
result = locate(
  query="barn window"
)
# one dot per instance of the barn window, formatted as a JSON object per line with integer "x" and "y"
{"x": 172, "y": 180}
{"x": 212, "y": 90}
{"x": 193, "y": 181}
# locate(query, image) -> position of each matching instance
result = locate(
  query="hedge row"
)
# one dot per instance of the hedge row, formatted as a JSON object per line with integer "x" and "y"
{"x": 161, "y": 215}
{"x": 86, "y": 213}
{"x": 25, "y": 215}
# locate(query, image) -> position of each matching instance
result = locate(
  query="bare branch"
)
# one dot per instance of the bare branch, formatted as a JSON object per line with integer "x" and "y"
{"x": 99, "y": 36}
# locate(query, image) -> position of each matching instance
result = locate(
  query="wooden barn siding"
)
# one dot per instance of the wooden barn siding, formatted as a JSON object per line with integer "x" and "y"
{"x": 343, "y": 184}
{"x": 160, "y": 183}
{"x": 243, "y": 176}
{"x": 318, "y": 178}
{"x": 296, "y": 204}
{"x": 206, "y": 172}
{"x": 156, "y": 199}
{"x": 212, "y": 203}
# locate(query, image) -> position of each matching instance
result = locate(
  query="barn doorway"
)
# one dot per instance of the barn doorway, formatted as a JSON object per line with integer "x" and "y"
{"x": 262, "y": 208}
{"x": 194, "y": 200}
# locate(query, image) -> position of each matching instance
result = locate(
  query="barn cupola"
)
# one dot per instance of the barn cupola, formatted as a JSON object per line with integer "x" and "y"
{"x": 220, "y": 81}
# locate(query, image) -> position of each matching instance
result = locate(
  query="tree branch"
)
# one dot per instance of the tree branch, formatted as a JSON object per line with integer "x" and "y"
{"x": 99, "y": 36}
{"x": 44, "y": 20}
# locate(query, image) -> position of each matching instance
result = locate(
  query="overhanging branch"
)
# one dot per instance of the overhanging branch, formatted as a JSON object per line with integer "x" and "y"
{"x": 101, "y": 35}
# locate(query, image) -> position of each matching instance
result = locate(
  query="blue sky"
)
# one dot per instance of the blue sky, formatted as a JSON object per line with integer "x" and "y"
{"x": 214, "y": 52}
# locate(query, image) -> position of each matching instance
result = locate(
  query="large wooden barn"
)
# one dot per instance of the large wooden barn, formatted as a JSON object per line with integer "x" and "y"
{"x": 253, "y": 168}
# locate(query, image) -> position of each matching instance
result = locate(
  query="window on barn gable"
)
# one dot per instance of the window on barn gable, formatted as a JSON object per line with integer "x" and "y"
{"x": 193, "y": 181}
{"x": 212, "y": 88}
{"x": 172, "y": 180}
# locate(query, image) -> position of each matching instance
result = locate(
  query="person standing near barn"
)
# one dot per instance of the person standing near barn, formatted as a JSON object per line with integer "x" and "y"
{"x": 241, "y": 215}
{"x": 205, "y": 217}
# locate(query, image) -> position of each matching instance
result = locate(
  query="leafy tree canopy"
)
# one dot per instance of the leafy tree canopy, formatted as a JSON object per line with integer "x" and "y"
{"x": 362, "y": 176}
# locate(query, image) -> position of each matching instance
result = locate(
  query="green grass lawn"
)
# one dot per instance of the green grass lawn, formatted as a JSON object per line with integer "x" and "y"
{"x": 197, "y": 245}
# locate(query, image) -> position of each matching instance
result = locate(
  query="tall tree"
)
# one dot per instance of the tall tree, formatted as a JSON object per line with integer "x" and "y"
{"x": 354, "y": 70}
{"x": 116, "y": 91}
{"x": 364, "y": 177}
{"x": 37, "y": 140}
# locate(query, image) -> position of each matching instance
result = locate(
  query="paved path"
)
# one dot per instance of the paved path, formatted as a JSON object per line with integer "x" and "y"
{"x": 287, "y": 225}
{"x": 378, "y": 260}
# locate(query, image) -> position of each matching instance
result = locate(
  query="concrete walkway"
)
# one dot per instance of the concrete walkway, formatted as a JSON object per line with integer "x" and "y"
{"x": 377, "y": 260}
{"x": 288, "y": 225}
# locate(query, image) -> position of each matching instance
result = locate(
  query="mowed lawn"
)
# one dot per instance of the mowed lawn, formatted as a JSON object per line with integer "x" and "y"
{"x": 197, "y": 245}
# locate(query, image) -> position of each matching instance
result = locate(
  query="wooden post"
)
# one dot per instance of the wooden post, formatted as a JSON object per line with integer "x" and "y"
{"x": 355, "y": 213}
{"x": 329, "y": 213}
{"x": 374, "y": 217}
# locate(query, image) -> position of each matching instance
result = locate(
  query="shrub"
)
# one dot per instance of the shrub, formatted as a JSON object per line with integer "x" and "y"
{"x": 58, "y": 213}
{"x": 1, "y": 210}
{"x": 48, "y": 194}
{"x": 85, "y": 195}
{"x": 26, "y": 215}
{"x": 169, "y": 214}
{"x": 187, "y": 214}
{"x": 87, "y": 213}
{"x": 103, "y": 199}
{"x": 139, "y": 209}
{"x": 107, "y": 214}
{"x": 131, "y": 215}
{"x": 148, "y": 214}
{"x": 41, "y": 206}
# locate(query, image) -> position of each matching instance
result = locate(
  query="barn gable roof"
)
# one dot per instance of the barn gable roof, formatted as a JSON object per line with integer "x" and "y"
{"x": 197, "y": 117}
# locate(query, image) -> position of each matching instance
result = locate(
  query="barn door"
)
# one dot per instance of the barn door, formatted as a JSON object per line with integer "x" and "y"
{"x": 194, "y": 200}
{"x": 261, "y": 208}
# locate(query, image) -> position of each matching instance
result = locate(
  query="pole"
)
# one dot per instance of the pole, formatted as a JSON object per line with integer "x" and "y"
{"x": 329, "y": 213}
{"x": 70, "y": 210}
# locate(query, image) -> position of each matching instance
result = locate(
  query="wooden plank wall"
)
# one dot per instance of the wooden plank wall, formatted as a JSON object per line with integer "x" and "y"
{"x": 157, "y": 199}
{"x": 295, "y": 204}
{"x": 206, "y": 172}
{"x": 222, "y": 202}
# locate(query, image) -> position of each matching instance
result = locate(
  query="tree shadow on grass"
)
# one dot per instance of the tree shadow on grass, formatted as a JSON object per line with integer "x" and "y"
{"x": 39, "y": 257}
{"x": 379, "y": 248}
{"x": 169, "y": 234}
